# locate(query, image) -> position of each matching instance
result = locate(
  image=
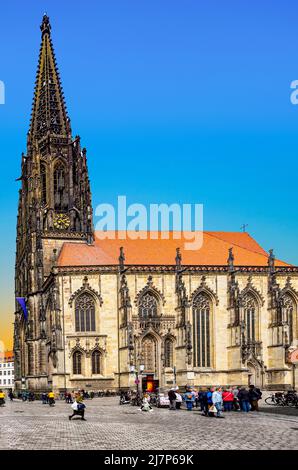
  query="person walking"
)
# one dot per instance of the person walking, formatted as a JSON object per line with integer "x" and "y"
{"x": 255, "y": 395}
{"x": 44, "y": 398}
{"x": 2, "y": 398}
{"x": 228, "y": 398}
{"x": 51, "y": 397}
{"x": 78, "y": 408}
{"x": 11, "y": 395}
{"x": 243, "y": 397}
{"x": 217, "y": 401}
{"x": 172, "y": 398}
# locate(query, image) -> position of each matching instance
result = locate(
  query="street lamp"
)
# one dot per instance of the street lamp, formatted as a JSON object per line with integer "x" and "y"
{"x": 138, "y": 373}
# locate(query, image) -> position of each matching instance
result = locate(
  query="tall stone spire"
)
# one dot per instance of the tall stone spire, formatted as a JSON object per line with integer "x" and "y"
{"x": 54, "y": 207}
{"x": 49, "y": 113}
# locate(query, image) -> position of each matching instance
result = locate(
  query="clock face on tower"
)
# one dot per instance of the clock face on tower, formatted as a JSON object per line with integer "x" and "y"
{"x": 61, "y": 221}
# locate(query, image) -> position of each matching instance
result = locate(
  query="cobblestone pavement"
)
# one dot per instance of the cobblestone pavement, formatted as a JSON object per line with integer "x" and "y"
{"x": 111, "y": 427}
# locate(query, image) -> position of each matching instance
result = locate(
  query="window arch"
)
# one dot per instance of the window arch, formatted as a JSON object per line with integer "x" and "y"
{"x": 250, "y": 308}
{"x": 201, "y": 330}
{"x": 288, "y": 314}
{"x": 77, "y": 363}
{"x": 96, "y": 362}
{"x": 59, "y": 186}
{"x": 43, "y": 183}
{"x": 148, "y": 306}
{"x": 169, "y": 352}
{"x": 85, "y": 313}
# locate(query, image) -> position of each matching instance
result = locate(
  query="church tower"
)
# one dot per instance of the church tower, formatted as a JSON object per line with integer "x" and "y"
{"x": 54, "y": 207}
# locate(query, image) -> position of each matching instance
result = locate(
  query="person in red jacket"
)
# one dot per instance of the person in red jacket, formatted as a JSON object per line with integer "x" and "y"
{"x": 228, "y": 398}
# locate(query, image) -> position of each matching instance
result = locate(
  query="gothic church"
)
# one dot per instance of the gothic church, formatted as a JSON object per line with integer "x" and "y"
{"x": 224, "y": 314}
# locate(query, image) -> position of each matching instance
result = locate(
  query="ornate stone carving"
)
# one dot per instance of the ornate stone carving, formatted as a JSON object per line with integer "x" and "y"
{"x": 86, "y": 288}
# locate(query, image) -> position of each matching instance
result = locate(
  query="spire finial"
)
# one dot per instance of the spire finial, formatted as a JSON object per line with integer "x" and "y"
{"x": 230, "y": 260}
{"x": 45, "y": 26}
{"x": 271, "y": 262}
{"x": 121, "y": 259}
{"x": 178, "y": 260}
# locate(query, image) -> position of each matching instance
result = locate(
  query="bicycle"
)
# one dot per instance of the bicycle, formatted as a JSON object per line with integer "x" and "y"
{"x": 276, "y": 399}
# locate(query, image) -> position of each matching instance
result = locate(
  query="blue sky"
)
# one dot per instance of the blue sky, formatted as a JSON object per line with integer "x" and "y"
{"x": 184, "y": 102}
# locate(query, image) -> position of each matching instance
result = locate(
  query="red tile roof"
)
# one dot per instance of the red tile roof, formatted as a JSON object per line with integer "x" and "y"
{"x": 214, "y": 251}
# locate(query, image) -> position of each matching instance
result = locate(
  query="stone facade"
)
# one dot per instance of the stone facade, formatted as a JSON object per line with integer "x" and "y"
{"x": 120, "y": 332}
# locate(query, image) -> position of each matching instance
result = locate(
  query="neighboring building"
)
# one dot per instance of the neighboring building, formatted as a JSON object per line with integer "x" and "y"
{"x": 6, "y": 370}
{"x": 224, "y": 314}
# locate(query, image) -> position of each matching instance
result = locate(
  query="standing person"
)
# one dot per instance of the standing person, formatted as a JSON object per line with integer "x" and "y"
{"x": 255, "y": 395}
{"x": 11, "y": 395}
{"x": 209, "y": 397}
{"x": 235, "y": 391}
{"x": 201, "y": 399}
{"x": 217, "y": 401}
{"x": 243, "y": 397}
{"x": 189, "y": 398}
{"x": 172, "y": 398}
{"x": 204, "y": 402}
{"x": 178, "y": 400}
{"x": 228, "y": 398}
{"x": 44, "y": 398}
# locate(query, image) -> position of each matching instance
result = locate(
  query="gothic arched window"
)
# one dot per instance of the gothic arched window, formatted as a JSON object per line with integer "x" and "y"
{"x": 149, "y": 353}
{"x": 201, "y": 331}
{"x": 43, "y": 183}
{"x": 59, "y": 186}
{"x": 96, "y": 359}
{"x": 168, "y": 352}
{"x": 77, "y": 363}
{"x": 148, "y": 306}
{"x": 288, "y": 314}
{"x": 250, "y": 308}
{"x": 85, "y": 313}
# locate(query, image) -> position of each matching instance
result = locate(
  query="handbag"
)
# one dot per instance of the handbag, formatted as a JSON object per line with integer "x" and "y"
{"x": 213, "y": 409}
{"x": 74, "y": 406}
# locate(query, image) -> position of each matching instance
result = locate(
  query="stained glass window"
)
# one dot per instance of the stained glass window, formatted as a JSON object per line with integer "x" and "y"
{"x": 59, "y": 186}
{"x": 250, "y": 307}
{"x": 77, "y": 363}
{"x": 85, "y": 313}
{"x": 201, "y": 331}
{"x": 148, "y": 306}
{"x": 96, "y": 357}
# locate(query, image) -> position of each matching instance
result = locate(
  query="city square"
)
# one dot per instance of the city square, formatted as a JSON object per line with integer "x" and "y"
{"x": 34, "y": 426}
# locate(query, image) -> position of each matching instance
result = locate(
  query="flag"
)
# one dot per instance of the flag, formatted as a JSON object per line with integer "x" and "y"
{"x": 22, "y": 303}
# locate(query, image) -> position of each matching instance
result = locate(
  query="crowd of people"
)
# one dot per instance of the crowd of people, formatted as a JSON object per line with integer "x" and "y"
{"x": 212, "y": 401}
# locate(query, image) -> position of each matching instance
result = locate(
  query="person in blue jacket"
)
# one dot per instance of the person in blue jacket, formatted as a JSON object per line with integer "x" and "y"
{"x": 189, "y": 398}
